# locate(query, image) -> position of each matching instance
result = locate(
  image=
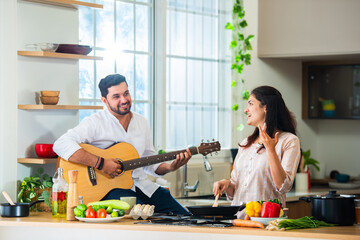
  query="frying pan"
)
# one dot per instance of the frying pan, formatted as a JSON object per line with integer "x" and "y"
{"x": 17, "y": 210}
{"x": 225, "y": 211}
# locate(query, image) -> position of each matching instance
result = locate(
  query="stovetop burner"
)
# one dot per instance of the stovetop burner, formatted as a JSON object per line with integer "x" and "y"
{"x": 189, "y": 220}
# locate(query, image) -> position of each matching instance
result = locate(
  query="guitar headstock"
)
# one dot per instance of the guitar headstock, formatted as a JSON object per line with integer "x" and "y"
{"x": 209, "y": 147}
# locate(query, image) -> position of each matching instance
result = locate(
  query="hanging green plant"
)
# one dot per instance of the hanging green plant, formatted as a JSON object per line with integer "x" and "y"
{"x": 241, "y": 46}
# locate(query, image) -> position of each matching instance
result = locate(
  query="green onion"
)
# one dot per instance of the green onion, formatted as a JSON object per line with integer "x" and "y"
{"x": 304, "y": 222}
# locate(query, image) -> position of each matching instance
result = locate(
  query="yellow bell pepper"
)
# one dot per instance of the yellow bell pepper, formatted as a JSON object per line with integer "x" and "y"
{"x": 253, "y": 209}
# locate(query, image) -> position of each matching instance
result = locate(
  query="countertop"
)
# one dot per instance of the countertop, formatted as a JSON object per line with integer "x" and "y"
{"x": 291, "y": 196}
{"x": 126, "y": 228}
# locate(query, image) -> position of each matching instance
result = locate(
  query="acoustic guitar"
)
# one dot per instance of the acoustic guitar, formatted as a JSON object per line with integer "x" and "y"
{"x": 93, "y": 184}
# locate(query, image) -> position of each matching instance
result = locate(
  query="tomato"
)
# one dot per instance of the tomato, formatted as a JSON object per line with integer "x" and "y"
{"x": 90, "y": 213}
{"x": 101, "y": 213}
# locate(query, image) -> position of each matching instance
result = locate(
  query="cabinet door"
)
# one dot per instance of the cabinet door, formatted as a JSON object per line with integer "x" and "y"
{"x": 331, "y": 90}
{"x": 308, "y": 28}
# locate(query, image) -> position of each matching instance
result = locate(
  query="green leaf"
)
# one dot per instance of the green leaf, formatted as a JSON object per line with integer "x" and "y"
{"x": 161, "y": 151}
{"x": 240, "y": 127}
{"x": 245, "y": 94}
{"x": 241, "y": 14}
{"x": 20, "y": 194}
{"x": 40, "y": 171}
{"x": 233, "y": 66}
{"x": 247, "y": 58}
{"x": 233, "y": 83}
{"x": 240, "y": 68}
{"x": 32, "y": 194}
{"x": 306, "y": 154}
{"x": 233, "y": 44}
{"x": 249, "y": 38}
{"x": 242, "y": 81}
{"x": 235, "y": 107}
{"x": 243, "y": 23}
{"x": 229, "y": 26}
{"x": 237, "y": 58}
{"x": 240, "y": 36}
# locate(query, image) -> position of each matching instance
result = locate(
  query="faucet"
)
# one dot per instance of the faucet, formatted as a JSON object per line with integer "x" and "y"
{"x": 188, "y": 188}
{"x": 193, "y": 188}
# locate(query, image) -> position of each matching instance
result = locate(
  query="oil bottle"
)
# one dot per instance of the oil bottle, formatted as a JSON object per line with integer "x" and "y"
{"x": 59, "y": 195}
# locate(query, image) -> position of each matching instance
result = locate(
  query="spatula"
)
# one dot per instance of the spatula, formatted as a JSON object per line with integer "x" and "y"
{"x": 216, "y": 201}
{"x": 8, "y": 198}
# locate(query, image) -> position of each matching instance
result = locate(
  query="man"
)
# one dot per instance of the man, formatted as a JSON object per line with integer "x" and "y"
{"x": 118, "y": 124}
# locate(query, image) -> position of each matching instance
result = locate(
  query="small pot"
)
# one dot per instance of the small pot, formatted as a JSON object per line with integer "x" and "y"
{"x": 17, "y": 210}
{"x": 333, "y": 208}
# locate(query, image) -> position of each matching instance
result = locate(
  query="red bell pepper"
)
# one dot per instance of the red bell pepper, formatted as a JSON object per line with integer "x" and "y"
{"x": 270, "y": 210}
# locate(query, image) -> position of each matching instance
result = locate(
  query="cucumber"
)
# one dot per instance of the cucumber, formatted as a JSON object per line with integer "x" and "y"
{"x": 115, "y": 204}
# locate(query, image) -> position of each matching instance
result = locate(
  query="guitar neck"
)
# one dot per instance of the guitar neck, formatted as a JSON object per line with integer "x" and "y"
{"x": 150, "y": 160}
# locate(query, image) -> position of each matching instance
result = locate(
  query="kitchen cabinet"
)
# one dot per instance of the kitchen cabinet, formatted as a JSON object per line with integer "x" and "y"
{"x": 308, "y": 29}
{"x": 331, "y": 90}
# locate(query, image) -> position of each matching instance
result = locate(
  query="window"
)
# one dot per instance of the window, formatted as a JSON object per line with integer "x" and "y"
{"x": 177, "y": 67}
{"x": 122, "y": 32}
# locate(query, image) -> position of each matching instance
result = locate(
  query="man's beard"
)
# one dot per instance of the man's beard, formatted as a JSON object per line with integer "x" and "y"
{"x": 117, "y": 110}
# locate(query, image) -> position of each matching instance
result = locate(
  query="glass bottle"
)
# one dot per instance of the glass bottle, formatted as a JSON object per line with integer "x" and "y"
{"x": 59, "y": 195}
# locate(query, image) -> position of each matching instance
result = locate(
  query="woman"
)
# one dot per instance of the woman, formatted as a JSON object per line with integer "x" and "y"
{"x": 267, "y": 160}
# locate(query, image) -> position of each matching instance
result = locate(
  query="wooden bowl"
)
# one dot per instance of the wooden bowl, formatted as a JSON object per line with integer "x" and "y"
{"x": 74, "y": 49}
{"x": 49, "y": 100}
{"x": 50, "y": 93}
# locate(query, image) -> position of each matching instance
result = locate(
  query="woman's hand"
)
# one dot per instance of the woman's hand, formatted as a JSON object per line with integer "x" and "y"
{"x": 265, "y": 139}
{"x": 221, "y": 186}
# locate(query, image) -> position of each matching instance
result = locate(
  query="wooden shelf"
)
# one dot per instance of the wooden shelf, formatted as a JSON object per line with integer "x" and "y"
{"x": 37, "y": 160}
{"x": 59, "y": 107}
{"x": 57, "y": 55}
{"x": 68, "y": 3}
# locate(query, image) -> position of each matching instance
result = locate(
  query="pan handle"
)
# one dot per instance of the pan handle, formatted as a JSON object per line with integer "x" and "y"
{"x": 37, "y": 201}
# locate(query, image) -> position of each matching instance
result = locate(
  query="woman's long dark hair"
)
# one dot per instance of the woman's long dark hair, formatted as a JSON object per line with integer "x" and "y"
{"x": 278, "y": 116}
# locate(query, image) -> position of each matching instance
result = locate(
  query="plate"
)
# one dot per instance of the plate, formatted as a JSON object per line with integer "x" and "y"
{"x": 265, "y": 221}
{"x": 349, "y": 185}
{"x": 99, "y": 220}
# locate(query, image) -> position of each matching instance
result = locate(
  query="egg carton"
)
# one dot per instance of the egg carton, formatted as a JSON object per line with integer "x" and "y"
{"x": 143, "y": 211}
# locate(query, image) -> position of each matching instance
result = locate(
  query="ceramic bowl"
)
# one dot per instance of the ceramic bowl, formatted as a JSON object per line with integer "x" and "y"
{"x": 49, "y": 93}
{"x": 44, "y": 150}
{"x": 74, "y": 49}
{"x": 49, "y": 100}
{"x": 342, "y": 178}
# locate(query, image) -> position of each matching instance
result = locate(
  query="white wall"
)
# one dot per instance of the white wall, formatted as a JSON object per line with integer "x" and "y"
{"x": 332, "y": 142}
{"x": 21, "y": 79}
{"x": 8, "y": 96}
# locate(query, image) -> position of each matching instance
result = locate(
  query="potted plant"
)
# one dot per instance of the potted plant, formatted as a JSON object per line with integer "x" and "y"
{"x": 302, "y": 182}
{"x": 36, "y": 187}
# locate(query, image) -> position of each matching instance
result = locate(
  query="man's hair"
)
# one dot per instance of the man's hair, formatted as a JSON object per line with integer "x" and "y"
{"x": 109, "y": 81}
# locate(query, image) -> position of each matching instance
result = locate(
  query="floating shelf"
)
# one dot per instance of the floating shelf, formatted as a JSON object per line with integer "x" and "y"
{"x": 59, "y": 107}
{"x": 37, "y": 160}
{"x": 57, "y": 55}
{"x": 68, "y": 3}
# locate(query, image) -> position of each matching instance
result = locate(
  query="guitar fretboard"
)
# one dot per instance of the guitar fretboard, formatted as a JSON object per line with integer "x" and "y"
{"x": 150, "y": 160}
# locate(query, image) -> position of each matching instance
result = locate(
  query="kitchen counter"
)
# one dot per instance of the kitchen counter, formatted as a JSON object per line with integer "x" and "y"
{"x": 317, "y": 190}
{"x": 43, "y": 226}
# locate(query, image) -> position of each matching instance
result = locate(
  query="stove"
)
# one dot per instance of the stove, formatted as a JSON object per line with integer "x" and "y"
{"x": 189, "y": 220}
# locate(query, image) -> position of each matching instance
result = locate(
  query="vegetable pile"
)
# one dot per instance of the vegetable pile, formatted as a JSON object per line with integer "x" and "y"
{"x": 267, "y": 209}
{"x": 101, "y": 209}
{"x": 304, "y": 222}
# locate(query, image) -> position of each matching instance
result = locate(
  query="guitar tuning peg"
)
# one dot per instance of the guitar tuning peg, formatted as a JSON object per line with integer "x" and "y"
{"x": 208, "y": 140}
{"x": 213, "y": 139}
{"x": 202, "y": 140}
